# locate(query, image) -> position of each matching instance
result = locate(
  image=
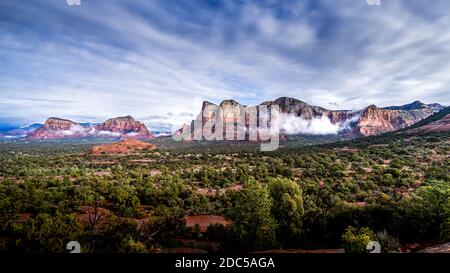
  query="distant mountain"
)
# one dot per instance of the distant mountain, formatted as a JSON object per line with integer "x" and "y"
{"x": 439, "y": 122}
{"x": 416, "y": 105}
{"x": 115, "y": 128}
{"x": 21, "y": 132}
{"x": 298, "y": 117}
{"x": 160, "y": 133}
{"x": 6, "y": 127}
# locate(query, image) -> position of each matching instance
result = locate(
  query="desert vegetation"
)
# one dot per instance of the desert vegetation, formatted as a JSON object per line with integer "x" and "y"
{"x": 323, "y": 196}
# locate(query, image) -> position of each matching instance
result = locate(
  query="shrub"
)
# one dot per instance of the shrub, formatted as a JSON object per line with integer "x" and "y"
{"x": 356, "y": 240}
{"x": 216, "y": 232}
{"x": 388, "y": 243}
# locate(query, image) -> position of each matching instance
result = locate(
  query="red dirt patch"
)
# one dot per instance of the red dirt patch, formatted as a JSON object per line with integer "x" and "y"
{"x": 23, "y": 217}
{"x": 88, "y": 215}
{"x": 155, "y": 172}
{"x": 206, "y": 192}
{"x": 358, "y": 204}
{"x": 443, "y": 248}
{"x": 416, "y": 247}
{"x": 236, "y": 187}
{"x": 204, "y": 221}
{"x": 102, "y": 173}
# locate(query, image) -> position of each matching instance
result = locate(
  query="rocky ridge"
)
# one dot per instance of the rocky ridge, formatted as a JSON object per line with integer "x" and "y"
{"x": 115, "y": 128}
{"x": 371, "y": 120}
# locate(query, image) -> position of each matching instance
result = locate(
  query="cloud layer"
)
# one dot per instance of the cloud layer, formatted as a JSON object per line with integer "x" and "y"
{"x": 157, "y": 60}
{"x": 292, "y": 124}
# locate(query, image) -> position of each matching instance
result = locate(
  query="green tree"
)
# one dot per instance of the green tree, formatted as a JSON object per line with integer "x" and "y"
{"x": 163, "y": 225}
{"x": 47, "y": 233}
{"x": 445, "y": 234}
{"x": 423, "y": 216}
{"x": 287, "y": 209}
{"x": 120, "y": 236}
{"x": 252, "y": 224}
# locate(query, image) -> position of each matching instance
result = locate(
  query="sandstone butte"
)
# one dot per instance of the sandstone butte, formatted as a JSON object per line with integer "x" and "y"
{"x": 126, "y": 146}
{"x": 114, "y": 128}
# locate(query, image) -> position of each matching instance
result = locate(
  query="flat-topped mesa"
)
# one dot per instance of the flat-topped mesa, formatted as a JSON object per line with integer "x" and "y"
{"x": 115, "y": 128}
{"x": 127, "y": 126}
{"x": 58, "y": 124}
{"x": 56, "y": 128}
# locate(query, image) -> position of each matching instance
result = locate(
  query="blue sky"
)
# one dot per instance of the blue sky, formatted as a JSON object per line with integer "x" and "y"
{"x": 157, "y": 60}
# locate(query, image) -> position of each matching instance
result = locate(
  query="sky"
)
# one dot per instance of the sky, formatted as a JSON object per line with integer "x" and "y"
{"x": 157, "y": 60}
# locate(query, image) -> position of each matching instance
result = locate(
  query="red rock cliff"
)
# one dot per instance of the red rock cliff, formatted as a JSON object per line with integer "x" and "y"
{"x": 127, "y": 126}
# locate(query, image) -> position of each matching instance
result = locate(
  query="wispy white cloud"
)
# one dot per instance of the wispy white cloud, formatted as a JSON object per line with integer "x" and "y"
{"x": 292, "y": 124}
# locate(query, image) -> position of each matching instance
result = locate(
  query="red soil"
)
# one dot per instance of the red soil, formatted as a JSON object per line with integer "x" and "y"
{"x": 204, "y": 221}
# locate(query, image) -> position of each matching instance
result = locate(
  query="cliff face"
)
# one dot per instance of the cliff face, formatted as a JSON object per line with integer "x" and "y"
{"x": 369, "y": 121}
{"x": 126, "y": 126}
{"x": 115, "y": 128}
{"x": 298, "y": 108}
{"x": 58, "y": 124}
{"x": 375, "y": 121}
{"x": 229, "y": 111}
{"x": 55, "y": 128}
{"x": 337, "y": 117}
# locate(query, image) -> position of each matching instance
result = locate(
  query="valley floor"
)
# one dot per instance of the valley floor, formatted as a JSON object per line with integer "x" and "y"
{"x": 228, "y": 197}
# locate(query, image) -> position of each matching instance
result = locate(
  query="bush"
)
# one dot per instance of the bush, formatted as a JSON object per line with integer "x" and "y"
{"x": 136, "y": 247}
{"x": 356, "y": 240}
{"x": 216, "y": 232}
{"x": 388, "y": 243}
{"x": 46, "y": 233}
